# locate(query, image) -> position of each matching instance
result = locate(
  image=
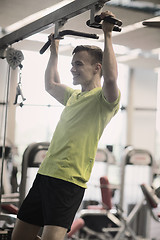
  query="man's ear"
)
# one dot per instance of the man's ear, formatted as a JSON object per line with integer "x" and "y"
{"x": 98, "y": 67}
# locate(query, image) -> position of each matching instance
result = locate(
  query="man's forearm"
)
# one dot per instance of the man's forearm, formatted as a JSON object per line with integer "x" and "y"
{"x": 51, "y": 73}
{"x": 109, "y": 64}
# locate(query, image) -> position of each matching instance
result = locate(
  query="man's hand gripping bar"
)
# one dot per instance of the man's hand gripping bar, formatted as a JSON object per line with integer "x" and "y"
{"x": 109, "y": 19}
{"x": 67, "y": 32}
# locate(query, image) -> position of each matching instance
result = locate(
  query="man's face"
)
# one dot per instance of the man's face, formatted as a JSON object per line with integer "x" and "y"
{"x": 83, "y": 69}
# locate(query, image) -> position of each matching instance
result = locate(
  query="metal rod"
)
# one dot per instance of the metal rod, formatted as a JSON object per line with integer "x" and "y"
{"x": 4, "y": 137}
{"x": 64, "y": 13}
{"x": 67, "y": 32}
{"x": 140, "y": 109}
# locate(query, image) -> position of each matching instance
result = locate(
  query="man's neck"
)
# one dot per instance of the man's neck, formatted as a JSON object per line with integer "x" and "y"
{"x": 91, "y": 86}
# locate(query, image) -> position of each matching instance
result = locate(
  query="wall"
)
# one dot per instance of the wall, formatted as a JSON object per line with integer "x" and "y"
{"x": 142, "y": 104}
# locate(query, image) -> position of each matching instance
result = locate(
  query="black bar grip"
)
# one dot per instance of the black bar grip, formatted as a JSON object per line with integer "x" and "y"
{"x": 67, "y": 32}
{"x": 117, "y": 29}
{"x": 99, "y": 26}
{"x": 75, "y": 33}
{"x": 46, "y": 45}
{"x": 109, "y": 19}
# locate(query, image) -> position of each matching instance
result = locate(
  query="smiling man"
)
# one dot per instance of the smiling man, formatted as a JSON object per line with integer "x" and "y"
{"x": 86, "y": 63}
{"x": 61, "y": 180}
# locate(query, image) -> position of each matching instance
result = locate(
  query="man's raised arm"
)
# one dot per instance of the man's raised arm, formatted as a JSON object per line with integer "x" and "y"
{"x": 52, "y": 80}
{"x": 109, "y": 64}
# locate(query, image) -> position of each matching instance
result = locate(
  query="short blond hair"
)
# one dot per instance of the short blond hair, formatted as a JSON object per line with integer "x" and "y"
{"x": 94, "y": 51}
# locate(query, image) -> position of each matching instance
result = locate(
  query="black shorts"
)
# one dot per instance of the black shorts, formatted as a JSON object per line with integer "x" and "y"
{"x": 51, "y": 201}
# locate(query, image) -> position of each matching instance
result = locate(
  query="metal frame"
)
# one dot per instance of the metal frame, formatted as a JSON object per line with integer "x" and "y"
{"x": 126, "y": 157}
{"x": 28, "y": 162}
{"x": 128, "y": 153}
{"x": 58, "y": 17}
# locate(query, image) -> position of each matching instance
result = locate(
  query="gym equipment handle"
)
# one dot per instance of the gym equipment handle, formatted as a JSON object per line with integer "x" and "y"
{"x": 109, "y": 19}
{"x": 67, "y": 32}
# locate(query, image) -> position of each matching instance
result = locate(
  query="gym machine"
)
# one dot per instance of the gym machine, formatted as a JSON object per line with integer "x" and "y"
{"x": 117, "y": 223}
{"x": 59, "y": 18}
{"x": 136, "y": 169}
{"x": 95, "y": 24}
{"x": 32, "y": 158}
{"x": 86, "y": 227}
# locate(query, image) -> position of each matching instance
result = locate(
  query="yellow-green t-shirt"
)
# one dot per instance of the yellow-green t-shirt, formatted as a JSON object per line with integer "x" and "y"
{"x": 71, "y": 154}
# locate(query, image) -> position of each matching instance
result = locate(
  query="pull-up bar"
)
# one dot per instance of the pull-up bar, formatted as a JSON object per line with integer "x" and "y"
{"x": 68, "y": 32}
{"x": 94, "y": 24}
{"x": 57, "y": 17}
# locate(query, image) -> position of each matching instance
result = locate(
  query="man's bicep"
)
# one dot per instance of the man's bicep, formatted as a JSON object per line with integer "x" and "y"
{"x": 58, "y": 91}
{"x": 110, "y": 91}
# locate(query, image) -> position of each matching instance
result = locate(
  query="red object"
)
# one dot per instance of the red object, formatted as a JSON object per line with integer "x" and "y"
{"x": 10, "y": 208}
{"x": 106, "y": 192}
{"x": 95, "y": 207}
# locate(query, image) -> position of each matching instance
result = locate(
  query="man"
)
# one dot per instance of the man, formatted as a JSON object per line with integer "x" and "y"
{"x": 61, "y": 180}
